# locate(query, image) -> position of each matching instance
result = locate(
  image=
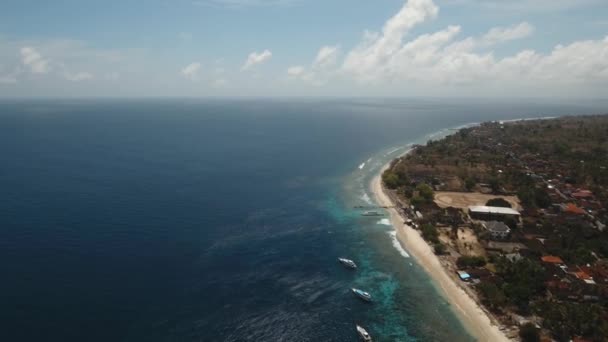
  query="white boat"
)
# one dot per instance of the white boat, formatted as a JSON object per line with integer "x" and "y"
{"x": 363, "y": 334}
{"x": 371, "y": 213}
{"x": 362, "y": 294}
{"x": 348, "y": 263}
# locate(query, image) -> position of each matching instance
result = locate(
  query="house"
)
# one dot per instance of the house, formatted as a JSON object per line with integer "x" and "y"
{"x": 582, "y": 194}
{"x": 503, "y": 247}
{"x": 486, "y": 213}
{"x": 463, "y": 275}
{"x": 551, "y": 259}
{"x": 497, "y": 230}
{"x": 571, "y": 208}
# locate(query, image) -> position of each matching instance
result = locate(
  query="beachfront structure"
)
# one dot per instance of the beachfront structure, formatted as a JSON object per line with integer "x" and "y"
{"x": 497, "y": 230}
{"x": 463, "y": 275}
{"x": 485, "y": 213}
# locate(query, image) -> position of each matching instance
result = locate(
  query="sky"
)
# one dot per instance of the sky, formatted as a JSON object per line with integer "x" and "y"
{"x": 290, "y": 48}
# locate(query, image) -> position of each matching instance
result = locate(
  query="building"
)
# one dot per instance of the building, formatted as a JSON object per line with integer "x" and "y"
{"x": 463, "y": 275}
{"x": 552, "y": 259}
{"x": 485, "y": 213}
{"x": 573, "y": 209}
{"x": 497, "y": 230}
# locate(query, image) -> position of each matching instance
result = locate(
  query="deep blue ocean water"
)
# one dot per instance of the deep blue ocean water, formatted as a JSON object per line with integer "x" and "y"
{"x": 214, "y": 220}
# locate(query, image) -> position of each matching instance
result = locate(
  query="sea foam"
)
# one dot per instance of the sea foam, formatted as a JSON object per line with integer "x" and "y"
{"x": 365, "y": 198}
{"x": 397, "y": 244}
{"x": 384, "y": 221}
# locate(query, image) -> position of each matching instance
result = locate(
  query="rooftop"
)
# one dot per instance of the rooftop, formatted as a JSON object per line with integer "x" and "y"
{"x": 493, "y": 210}
{"x": 573, "y": 209}
{"x": 552, "y": 259}
{"x": 495, "y": 226}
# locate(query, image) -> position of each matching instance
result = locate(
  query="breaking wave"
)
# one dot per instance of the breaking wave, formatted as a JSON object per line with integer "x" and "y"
{"x": 397, "y": 244}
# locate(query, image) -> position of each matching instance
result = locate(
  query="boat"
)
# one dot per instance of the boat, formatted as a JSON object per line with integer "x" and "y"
{"x": 362, "y": 294}
{"x": 371, "y": 213}
{"x": 348, "y": 263}
{"x": 363, "y": 334}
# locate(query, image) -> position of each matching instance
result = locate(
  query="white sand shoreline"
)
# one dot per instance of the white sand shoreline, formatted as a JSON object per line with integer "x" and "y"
{"x": 476, "y": 321}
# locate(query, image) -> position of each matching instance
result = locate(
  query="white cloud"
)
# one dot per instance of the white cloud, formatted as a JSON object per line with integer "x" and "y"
{"x": 502, "y": 34}
{"x": 440, "y": 59}
{"x": 191, "y": 71}
{"x": 321, "y": 69}
{"x": 295, "y": 71}
{"x": 79, "y": 76}
{"x": 327, "y": 56}
{"x": 255, "y": 58}
{"x": 377, "y": 48}
{"x": 33, "y": 60}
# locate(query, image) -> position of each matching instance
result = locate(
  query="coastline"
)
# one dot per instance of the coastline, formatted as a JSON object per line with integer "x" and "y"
{"x": 471, "y": 314}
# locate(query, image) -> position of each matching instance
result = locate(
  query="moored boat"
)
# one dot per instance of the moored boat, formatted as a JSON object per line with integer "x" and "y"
{"x": 371, "y": 213}
{"x": 363, "y": 334}
{"x": 362, "y": 294}
{"x": 347, "y": 263}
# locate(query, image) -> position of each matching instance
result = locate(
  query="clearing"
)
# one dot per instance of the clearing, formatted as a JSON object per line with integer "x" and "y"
{"x": 463, "y": 200}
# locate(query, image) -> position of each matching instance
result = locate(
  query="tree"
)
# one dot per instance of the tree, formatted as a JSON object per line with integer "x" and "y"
{"x": 440, "y": 248}
{"x": 529, "y": 333}
{"x": 471, "y": 261}
{"x": 426, "y": 192}
{"x": 469, "y": 183}
{"x": 494, "y": 297}
{"x": 417, "y": 201}
{"x": 494, "y": 185}
{"x": 390, "y": 179}
{"x": 498, "y": 202}
{"x": 524, "y": 279}
{"x": 429, "y": 233}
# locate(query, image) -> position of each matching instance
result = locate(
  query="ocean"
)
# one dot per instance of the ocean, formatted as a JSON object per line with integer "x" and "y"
{"x": 217, "y": 219}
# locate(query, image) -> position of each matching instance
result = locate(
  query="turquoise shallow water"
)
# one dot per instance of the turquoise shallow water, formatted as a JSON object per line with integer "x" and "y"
{"x": 214, "y": 220}
{"x": 407, "y": 303}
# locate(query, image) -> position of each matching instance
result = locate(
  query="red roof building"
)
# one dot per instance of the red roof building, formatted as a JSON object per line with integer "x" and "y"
{"x": 571, "y": 208}
{"x": 551, "y": 259}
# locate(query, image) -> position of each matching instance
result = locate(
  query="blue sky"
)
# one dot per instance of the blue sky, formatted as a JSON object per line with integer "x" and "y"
{"x": 477, "y": 48}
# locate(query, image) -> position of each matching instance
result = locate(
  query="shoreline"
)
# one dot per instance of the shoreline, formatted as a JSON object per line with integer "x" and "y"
{"x": 475, "y": 320}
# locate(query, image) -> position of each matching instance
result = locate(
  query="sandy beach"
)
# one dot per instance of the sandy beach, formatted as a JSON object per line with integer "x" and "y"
{"x": 476, "y": 321}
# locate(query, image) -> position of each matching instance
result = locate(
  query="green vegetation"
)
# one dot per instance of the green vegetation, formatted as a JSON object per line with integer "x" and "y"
{"x": 533, "y": 197}
{"x": 469, "y": 183}
{"x": 523, "y": 280}
{"x": 493, "y": 296}
{"x": 471, "y": 261}
{"x": 394, "y": 180}
{"x": 498, "y": 202}
{"x": 574, "y": 319}
{"x": 440, "y": 248}
{"x": 423, "y": 195}
{"x": 430, "y": 233}
{"x": 529, "y": 333}
{"x": 425, "y": 192}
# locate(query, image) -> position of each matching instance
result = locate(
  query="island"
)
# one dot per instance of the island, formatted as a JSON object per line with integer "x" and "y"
{"x": 509, "y": 219}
